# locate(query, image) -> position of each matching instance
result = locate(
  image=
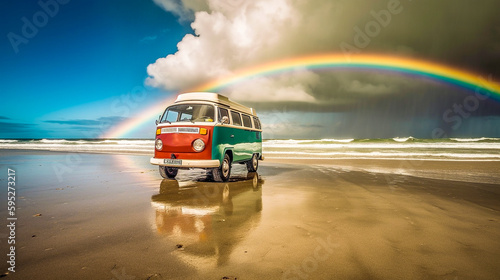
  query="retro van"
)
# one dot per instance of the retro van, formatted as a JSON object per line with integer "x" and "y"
{"x": 209, "y": 131}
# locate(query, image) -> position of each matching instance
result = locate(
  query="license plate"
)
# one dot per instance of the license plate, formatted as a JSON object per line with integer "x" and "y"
{"x": 173, "y": 161}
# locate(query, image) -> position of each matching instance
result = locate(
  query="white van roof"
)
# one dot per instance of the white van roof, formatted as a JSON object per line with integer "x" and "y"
{"x": 216, "y": 98}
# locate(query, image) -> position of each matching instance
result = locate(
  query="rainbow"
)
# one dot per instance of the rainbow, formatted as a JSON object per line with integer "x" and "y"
{"x": 402, "y": 65}
{"x": 120, "y": 130}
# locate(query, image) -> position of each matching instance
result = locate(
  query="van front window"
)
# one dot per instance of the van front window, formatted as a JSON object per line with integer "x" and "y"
{"x": 189, "y": 113}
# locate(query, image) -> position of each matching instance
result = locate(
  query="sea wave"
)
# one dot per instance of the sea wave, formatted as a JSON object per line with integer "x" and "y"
{"x": 82, "y": 145}
{"x": 398, "y": 139}
{"x": 475, "y": 139}
{"x": 54, "y": 141}
{"x": 399, "y": 147}
{"x": 129, "y": 142}
{"x": 385, "y": 155}
{"x": 382, "y": 145}
{"x": 8, "y": 141}
{"x": 408, "y": 140}
{"x": 338, "y": 140}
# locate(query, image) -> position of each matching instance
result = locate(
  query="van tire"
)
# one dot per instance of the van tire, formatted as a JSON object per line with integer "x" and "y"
{"x": 168, "y": 172}
{"x": 223, "y": 172}
{"x": 253, "y": 164}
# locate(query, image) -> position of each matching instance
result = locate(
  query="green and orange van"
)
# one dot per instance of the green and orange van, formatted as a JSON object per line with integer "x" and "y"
{"x": 209, "y": 131}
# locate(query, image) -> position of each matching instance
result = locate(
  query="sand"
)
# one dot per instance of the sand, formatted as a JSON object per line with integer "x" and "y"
{"x": 113, "y": 217}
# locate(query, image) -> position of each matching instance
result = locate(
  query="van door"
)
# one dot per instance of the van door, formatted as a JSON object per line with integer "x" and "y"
{"x": 230, "y": 137}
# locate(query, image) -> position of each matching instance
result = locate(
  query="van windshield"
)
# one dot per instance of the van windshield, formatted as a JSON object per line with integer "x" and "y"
{"x": 189, "y": 113}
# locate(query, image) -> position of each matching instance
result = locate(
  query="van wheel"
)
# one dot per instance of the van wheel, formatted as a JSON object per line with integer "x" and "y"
{"x": 253, "y": 164}
{"x": 168, "y": 172}
{"x": 222, "y": 173}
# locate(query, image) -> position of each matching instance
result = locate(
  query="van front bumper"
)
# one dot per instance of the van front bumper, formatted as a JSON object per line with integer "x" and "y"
{"x": 187, "y": 163}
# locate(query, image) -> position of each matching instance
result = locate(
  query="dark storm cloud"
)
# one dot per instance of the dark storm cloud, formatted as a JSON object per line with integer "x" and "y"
{"x": 456, "y": 33}
{"x": 76, "y": 122}
{"x": 87, "y": 122}
{"x": 461, "y": 34}
{"x": 450, "y": 31}
{"x": 9, "y": 127}
{"x": 420, "y": 102}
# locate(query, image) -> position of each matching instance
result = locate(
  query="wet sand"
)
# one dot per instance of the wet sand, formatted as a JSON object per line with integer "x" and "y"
{"x": 113, "y": 217}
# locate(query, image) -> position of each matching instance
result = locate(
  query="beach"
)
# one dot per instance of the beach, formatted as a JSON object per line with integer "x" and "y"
{"x": 111, "y": 216}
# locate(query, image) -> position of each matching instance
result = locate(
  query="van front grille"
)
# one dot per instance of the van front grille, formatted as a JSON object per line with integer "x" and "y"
{"x": 191, "y": 130}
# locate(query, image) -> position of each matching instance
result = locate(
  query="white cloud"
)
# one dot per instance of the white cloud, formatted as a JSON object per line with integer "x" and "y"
{"x": 291, "y": 86}
{"x": 229, "y": 37}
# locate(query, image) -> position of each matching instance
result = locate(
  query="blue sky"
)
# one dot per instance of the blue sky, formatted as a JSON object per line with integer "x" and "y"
{"x": 73, "y": 68}
{"x": 87, "y": 56}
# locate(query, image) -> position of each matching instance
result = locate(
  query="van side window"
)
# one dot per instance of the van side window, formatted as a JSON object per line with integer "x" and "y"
{"x": 256, "y": 122}
{"x": 236, "y": 118}
{"x": 247, "y": 121}
{"x": 223, "y": 113}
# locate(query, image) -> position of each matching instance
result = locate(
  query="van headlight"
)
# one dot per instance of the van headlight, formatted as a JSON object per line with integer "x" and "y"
{"x": 159, "y": 144}
{"x": 198, "y": 145}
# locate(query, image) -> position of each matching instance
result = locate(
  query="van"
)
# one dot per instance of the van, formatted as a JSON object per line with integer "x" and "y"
{"x": 209, "y": 131}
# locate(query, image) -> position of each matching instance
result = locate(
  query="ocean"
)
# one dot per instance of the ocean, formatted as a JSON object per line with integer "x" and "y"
{"x": 453, "y": 149}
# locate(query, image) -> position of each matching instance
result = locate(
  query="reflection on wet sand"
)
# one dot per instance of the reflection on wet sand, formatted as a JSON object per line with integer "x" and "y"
{"x": 208, "y": 219}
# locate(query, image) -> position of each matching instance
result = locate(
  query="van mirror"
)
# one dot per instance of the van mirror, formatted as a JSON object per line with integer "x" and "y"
{"x": 224, "y": 120}
{"x": 158, "y": 120}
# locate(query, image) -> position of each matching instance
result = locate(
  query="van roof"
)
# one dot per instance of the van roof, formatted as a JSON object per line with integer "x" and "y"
{"x": 216, "y": 98}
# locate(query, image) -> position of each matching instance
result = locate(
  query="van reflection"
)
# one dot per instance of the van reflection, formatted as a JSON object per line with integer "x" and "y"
{"x": 208, "y": 219}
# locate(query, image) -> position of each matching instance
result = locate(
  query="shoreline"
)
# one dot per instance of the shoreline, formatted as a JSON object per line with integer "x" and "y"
{"x": 281, "y": 159}
{"x": 486, "y": 169}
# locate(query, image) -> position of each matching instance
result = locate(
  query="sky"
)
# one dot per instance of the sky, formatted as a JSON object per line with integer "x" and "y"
{"x": 75, "y": 69}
